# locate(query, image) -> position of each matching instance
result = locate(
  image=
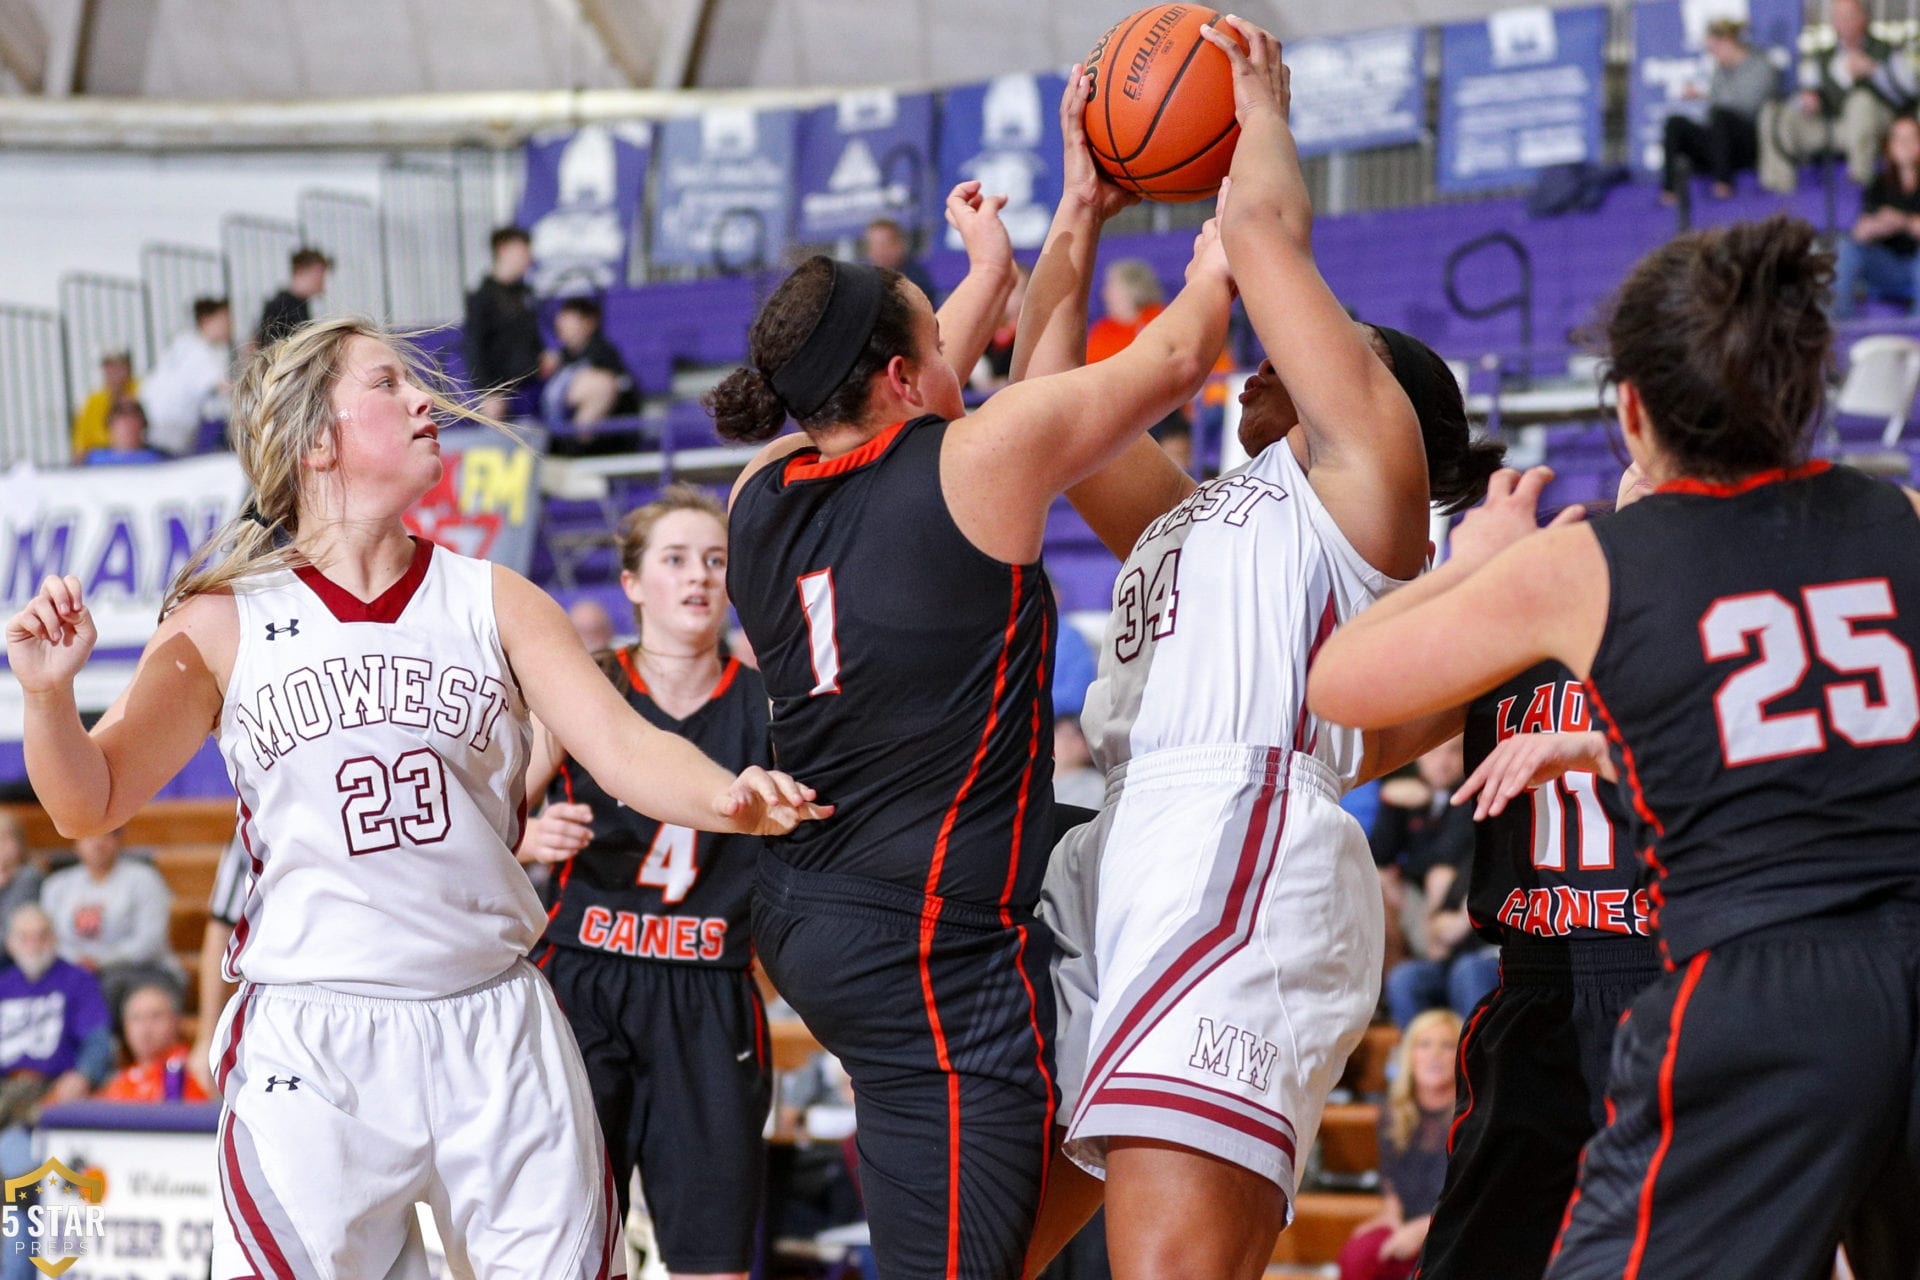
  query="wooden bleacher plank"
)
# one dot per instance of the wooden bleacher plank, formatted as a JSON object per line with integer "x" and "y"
{"x": 1322, "y": 1224}
{"x": 1350, "y": 1137}
{"x": 166, "y": 822}
{"x": 1366, "y": 1073}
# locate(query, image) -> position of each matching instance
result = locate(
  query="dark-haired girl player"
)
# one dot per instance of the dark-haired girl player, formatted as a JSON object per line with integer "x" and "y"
{"x": 905, "y": 631}
{"x": 1746, "y": 636}
{"x": 1219, "y": 922}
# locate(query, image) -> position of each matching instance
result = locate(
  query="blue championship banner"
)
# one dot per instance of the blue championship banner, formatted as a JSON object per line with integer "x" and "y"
{"x": 1006, "y": 133}
{"x": 580, "y": 204}
{"x": 1357, "y": 91}
{"x": 867, "y": 156}
{"x": 724, "y": 193}
{"x": 1519, "y": 92}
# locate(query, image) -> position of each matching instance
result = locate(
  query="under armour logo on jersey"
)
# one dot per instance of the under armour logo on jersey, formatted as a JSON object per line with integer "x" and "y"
{"x": 292, "y": 1083}
{"x": 292, "y": 628}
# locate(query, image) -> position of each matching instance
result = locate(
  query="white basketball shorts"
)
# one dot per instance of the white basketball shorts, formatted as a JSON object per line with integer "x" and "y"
{"x": 1219, "y": 930}
{"x": 342, "y": 1112}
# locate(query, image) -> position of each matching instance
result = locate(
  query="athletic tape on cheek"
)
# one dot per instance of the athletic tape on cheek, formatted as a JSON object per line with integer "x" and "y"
{"x": 814, "y": 372}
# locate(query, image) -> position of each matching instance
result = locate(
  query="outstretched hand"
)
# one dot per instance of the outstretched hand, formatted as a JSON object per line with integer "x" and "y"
{"x": 49, "y": 640}
{"x": 1510, "y": 513}
{"x": 977, "y": 218}
{"x": 1261, "y": 80}
{"x": 1529, "y": 760}
{"x": 1081, "y": 177}
{"x": 766, "y": 802}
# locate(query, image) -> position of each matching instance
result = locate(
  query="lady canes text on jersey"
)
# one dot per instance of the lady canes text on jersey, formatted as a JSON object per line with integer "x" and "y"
{"x": 371, "y": 688}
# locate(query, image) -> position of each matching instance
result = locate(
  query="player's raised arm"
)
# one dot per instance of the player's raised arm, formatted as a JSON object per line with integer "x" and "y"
{"x": 1368, "y": 463}
{"x": 93, "y": 782}
{"x": 1143, "y": 483}
{"x": 661, "y": 774}
{"x": 972, "y": 311}
{"x": 1004, "y": 465}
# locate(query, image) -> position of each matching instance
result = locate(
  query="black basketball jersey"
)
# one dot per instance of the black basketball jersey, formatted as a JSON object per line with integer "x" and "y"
{"x": 648, "y": 889}
{"x": 910, "y": 672}
{"x": 1559, "y": 862}
{"x": 1756, "y": 678}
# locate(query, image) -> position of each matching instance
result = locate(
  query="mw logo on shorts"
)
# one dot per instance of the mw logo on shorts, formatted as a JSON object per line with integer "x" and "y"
{"x": 1230, "y": 1050}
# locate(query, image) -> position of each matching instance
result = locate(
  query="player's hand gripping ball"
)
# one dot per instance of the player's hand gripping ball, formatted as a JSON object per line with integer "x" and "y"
{"x": 1160, "y": 122}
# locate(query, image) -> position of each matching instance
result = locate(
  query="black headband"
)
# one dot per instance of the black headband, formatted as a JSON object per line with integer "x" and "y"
{"x": 1416, "y": 368}
{"x": 814, "y": 372}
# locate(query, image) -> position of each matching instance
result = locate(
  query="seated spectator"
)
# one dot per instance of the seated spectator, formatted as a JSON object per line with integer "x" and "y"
{"x": 1744, "y": 79}
{"x": 1848, "y": 96}
{"x": 1882, "y": 253}
{"x": 19, "y": 878}
{"x": 157, "y": 1070}
{"x": 1413, "y": 831}
{"x": 995, "y": 366}
{"x": 590, "y": 381}
{"x": 502, "y": 332}
{"x": 189, "y": 383}
{"x": 117, "y": 383}
{"x": 55, "y": 1042}
{"x": 126, "y": 439}
{"x": 1460, "y": 966}
{"x": 1130, "y": 292}
{"x": 886, "y": 246}
{"x": 292, "y": 307}
{"x": 110, "y": 915}
{"x": 1413, "y": 1151}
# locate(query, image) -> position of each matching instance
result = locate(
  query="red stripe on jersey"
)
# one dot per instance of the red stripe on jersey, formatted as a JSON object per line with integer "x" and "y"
{"x": 1466, "y": 1036}
{"x": 385, "y": 607}
{"x": 633, "y": 674}
{"x": 1328, "y": 619}
{"x": 930, "y": 920}
{"x": 1170, "y": 1101}
{"x": 1640, "y": 804}
{"x": 1760, "y": 479}
{"x": 271, "y": 1263}
{"x": 1645, "y": 1226}
{"x": 807, "y": 464}
{"x": 1026, "y": 775}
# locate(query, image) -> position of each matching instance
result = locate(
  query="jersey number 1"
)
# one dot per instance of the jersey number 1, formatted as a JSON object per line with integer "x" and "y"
{"x": 1768, "y": 625}
{"x": 823, "y": 640}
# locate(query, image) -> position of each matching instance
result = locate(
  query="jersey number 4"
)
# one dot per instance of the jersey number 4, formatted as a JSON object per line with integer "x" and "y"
{"x": 418, "y": 780}
{"x": 1147, "y": 606}
{"x": 1768, "y": 626}
{"x": 670, "y": 865}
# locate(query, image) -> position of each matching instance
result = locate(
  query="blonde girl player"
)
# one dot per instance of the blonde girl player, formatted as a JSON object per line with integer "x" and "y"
{"x": 1219, "y": 923}
{"x": 390, "y": 1043}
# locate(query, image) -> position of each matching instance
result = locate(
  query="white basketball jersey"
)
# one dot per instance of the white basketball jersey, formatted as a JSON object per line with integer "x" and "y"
{"x": 1217, "y": 614}
{"x": 379, "y": 751}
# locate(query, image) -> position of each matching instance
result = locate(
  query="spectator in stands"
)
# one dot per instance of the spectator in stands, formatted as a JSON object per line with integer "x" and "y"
{"x": 1883, "y": 252}
{"x": 996, "y": 364}
{"x": 225, "y": 906}
{"x": 503, "y": 345}
{"x": 157, "y": 1067}
{"x": 1848, "y": 96}
{"x": 1131, "y": 294}
{"x": 593, "y": 623}
{"x": 1744, "y": 79}
{"x": 292, "y": 307}
{"x": 1423, "y": 847}
{"x": 1461, "y": 966}
{"x": 56, "y": 1046}
{"x": 590, "y": 382}
{"x": 887, "y": 246}
{"x": 1413, "y": 1151}
{"x": 117, "y": 383}
{"x": 19, "y": 878}
{"x": 189, "y": 383}
{"x": 126, "y": 438}
{"x": 111, "y": 915}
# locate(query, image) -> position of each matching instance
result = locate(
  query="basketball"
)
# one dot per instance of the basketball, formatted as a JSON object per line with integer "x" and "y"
{"x": 1160, "y": 122}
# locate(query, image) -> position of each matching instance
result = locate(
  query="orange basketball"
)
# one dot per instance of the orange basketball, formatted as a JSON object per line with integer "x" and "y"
{"x": 1160, "y": 121}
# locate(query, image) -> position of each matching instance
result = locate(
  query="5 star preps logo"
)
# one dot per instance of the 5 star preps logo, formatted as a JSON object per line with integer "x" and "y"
{"x": 52, "y": 1236}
